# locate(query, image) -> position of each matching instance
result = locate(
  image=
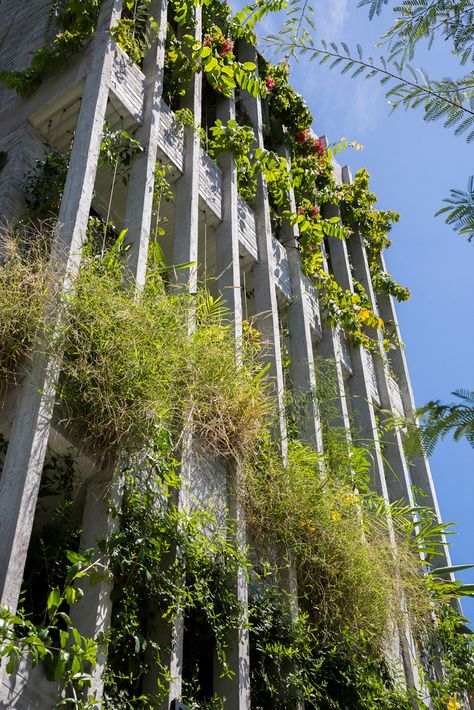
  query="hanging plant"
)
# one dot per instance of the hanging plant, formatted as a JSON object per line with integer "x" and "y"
{"x": 135, "y": 31}
{"x": 285, "y": 104}
{"x": 76, "y": 21}
{"x": 222, "y": 69}
{"x": 358, "y": 208}
{"x": 239, "y": 140}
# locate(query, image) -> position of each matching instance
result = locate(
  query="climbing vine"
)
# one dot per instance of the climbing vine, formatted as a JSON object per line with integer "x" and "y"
{"x": 358, "y": 209}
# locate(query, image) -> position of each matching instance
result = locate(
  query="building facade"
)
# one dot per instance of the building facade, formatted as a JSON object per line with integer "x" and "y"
{"x": 231, "y": 247}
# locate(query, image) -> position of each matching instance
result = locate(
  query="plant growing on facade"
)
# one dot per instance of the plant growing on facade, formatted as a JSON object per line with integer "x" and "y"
{"x": 65, "y": 655}
{"x": 28, "y": 289}
{"x": 76, "y": 21}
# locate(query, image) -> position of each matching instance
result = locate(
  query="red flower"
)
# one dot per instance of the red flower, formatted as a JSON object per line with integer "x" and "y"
{"x": 207, "y": 41}
{"x": 302, "y": 136}
{"x": 301, "y": 210}
{"x": 270, "y": 83}
{"x": 318, "y": 147}
{"x": 226, "y": 47}
{"x": 314, "y": 212}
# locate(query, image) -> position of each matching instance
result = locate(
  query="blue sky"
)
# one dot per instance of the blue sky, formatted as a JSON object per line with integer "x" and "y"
{"x": 413, "y": 165}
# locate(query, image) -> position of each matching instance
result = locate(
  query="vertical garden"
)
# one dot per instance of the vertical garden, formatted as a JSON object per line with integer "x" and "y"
{"x": 146, "y": 369}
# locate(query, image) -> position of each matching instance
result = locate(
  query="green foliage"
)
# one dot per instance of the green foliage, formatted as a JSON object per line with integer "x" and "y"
{"x": 338, "y": 542}
{"x": 293, "y": 659}
{"x": 358, "y": 210}
{"x": 27, "y": 288}
{"x": 149, "y": 573}
{"x": 135, "y": 31}
{"x": 418, "y": 20}
{"x": 131, "y": 368}
{"x": 76, "y": 21}
{"x": 44, "y": 185}
{"x": 459, "y": 210}
{"x": 447, "y": 99}
{"x": 438, "y": 420}
{"x": 213, "y": 55}
{"x": 240, "y": 141}
{"x": 220, "y": 66}
{"x": 54, "y": 642}
{"x": 117, "y": 151}
{"x": 284, "y": 102}
{"x": 450, "y": 643}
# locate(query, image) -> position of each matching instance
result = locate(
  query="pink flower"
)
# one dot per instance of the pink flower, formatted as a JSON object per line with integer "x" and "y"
{"x": 226, "y": 47}
{"x": 302, "y": 136}
{"x": 270, "y": 83}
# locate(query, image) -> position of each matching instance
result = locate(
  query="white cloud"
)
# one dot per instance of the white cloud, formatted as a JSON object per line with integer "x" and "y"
{"x": 366, "y": 104}
{"x": 331, "y": 19}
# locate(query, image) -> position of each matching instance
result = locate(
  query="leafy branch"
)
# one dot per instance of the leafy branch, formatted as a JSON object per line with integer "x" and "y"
{"x": 450, "y": 99}
{"x": 459, "y": 210}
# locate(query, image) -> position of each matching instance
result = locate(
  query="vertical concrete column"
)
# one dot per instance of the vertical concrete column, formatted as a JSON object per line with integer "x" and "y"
{"x": 302, "y": 370}
{"x": 266, "y": 305}
{"x": 389, "y": 471}
{"x": 361, "y": 397}
{"x": 420, "y": 467}
{"x": 30, "y": 429}
{"x": 328, "y": 349}
{"x": 170, "y": 635}
{"x": 142, "y": 179}
{"x": 236, "y": 690}
{"x": 91, "y": 615}
{"x": 227, "y": 232}
{"x": 396, "y": 470}
{"x": 186, "y": 220}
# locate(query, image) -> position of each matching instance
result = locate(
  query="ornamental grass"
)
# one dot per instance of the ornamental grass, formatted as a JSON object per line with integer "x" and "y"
{"x": 132, "y": 368}
{"x": 28, "y": 292}
{"x": 348, "y": 577}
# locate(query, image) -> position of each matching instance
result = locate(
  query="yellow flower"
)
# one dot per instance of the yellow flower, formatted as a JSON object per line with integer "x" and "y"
{"x": 348, "y": 498}
{"x": 335, "y": 516}
{"x": 453, "y": 702}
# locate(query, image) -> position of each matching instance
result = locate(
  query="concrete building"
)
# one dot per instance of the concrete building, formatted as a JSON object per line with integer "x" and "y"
{"x": 258, "y": 274}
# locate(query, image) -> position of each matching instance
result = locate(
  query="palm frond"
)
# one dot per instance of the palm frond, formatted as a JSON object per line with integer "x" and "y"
{"x": 459, "y": 212}
{"x": 439, "y": 420}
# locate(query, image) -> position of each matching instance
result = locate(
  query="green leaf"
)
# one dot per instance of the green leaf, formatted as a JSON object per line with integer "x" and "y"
{"x": 210, "y": 64}
{"x": 54, "y": 600}
{"x": 441, "y": 571}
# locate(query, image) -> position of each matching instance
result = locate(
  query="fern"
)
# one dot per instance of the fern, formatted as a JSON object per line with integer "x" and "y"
{"x": 459, "y": 210}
